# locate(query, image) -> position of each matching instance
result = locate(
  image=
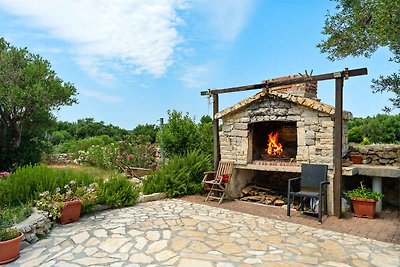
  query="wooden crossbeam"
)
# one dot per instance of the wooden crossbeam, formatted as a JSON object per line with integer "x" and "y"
{"x": 322, "y": 77}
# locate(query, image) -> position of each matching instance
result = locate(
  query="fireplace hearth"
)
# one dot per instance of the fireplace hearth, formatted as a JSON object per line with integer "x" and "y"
{"x": 268, "y": 136}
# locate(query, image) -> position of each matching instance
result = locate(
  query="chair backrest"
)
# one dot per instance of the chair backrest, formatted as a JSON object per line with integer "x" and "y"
{"x": 313, "y": 174}
{"x": 225, "y": 167}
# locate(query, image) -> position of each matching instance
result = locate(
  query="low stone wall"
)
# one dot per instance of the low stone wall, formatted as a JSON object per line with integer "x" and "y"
{"x": 60, "y": 159}
{"x": 382, "y": 154}
{"x": 34, "y": 227}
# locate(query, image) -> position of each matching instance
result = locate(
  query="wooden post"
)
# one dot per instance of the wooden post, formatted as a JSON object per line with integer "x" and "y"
{"x": 217, "y": 153}
{"x": 337, "y": 153}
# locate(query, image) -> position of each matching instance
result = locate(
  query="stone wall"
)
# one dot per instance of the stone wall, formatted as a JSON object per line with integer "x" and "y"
{"x": 382, "y": 154}
{"x": 34, "y": 227}
{"x": 60, "y": 159}
{"x": 314, "y": 131}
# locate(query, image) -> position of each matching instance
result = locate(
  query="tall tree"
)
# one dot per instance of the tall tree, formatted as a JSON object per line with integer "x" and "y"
{"x": 27, "y": 85}
{"x": 359, "y": 28}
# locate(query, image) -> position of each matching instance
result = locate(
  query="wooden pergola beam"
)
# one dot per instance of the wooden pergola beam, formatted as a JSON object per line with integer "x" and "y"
{"x": 321, "y": 77}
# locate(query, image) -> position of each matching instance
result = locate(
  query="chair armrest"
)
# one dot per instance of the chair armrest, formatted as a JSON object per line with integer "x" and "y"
{"x": 322, "y": 184}
{"x": 293, "y": 179}
{"x": 209, "y": 176}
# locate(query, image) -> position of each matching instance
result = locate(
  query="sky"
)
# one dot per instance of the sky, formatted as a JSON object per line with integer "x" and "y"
{"x": 133, "y": 60}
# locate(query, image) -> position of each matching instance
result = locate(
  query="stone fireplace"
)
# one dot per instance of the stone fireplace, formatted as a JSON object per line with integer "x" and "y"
{"x": 302, "y": 124}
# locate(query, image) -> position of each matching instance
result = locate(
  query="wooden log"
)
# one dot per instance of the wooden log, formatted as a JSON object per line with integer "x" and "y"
{"x": 247, "y": 189}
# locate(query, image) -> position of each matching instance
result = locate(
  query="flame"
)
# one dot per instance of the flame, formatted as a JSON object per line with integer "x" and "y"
{"x": 274, "y": 147}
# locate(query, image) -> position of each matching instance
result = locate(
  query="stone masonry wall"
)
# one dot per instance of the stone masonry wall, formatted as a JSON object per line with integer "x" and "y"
{"x": 314, "y": 133}
{"x": 382, "y": 154}
{"x": 60, "y": 159}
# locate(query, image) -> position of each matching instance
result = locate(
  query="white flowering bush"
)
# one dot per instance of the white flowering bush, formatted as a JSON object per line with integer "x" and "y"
{"x": 53, "y": 203}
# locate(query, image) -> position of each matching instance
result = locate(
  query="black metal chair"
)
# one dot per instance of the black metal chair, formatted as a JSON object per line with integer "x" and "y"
{"x": 313, "y": 183}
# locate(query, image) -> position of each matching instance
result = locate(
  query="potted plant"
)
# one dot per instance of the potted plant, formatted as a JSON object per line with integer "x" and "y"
{"x": 66, "y": 203}
{"x": 364, "y": 201}
{"x": 10, "y": 241}
{"x": 356, "y": 158}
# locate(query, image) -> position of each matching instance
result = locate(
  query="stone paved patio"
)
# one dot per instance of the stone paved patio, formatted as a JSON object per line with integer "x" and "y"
{"x": 179, "y": 233}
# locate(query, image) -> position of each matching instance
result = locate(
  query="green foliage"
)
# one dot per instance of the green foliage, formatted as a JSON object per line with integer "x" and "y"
{"x": 181, "y": 175}
{"x": 359, "y": 28}
{"x": 74, "y": 146}
{"x": 116, "y": 156}
{"x": 378, "y": 129}
{"x": 363, "y": 192}
{"x": 181, "y": 134}
{"x": 8, "y": 234}
{"x": 10, "y": 216}
{"x": 13, "y": 215}
{"x": 28, "y": 86}
{"x": 146, "y": 133}
{"x": 206, "y": 138}
{"x": 118, "y": 192}
{"x": 27, "y": 182}
{"x": 58, "y": 137}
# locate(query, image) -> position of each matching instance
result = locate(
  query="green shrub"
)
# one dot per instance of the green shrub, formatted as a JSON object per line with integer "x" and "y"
{"x": 117, "y": 192}
{"x": 381, "y": 128}
{"x": 13, "y": 215}
{"x": 27, "y": 182}
{"x": 181, "y": 175}
{"x": 116, "y": 156}
{"x": 73, "y": 146}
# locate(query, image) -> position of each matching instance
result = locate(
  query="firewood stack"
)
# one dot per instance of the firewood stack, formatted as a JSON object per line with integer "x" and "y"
{"x": 254, "y": 193}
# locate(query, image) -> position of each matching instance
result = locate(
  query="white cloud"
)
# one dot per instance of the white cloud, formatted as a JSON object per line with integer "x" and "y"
{"x": 102, "y": 97}
{"x": 196, "y": 76}
{"x": 139, "y": 34}
{"x": 225, "y": 18}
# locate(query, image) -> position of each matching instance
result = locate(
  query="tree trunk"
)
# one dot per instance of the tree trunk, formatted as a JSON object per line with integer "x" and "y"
{"x": 17, "y": 134}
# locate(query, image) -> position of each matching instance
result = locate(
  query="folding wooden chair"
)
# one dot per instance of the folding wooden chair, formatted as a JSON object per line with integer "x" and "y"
{"x": 217, "y": 181}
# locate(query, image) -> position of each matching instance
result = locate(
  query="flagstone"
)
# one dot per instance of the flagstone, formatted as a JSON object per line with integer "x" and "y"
{"x": 156, "y": 246}
{"x": 80, "y": 238}
{"x": 153, "y": 235}
{"x": 100, "y": 233}
{"x": 140, "y": 258}
{"x": 165, "y": 255}
{"x": 113, "y": 244}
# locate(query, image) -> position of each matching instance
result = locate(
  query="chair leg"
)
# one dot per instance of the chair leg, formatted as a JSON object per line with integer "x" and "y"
{"x": 320, "y": 208}
{"x": 326, "y": 203}
{"x": 209, "y": 193}
{"x": 288, "y": 205}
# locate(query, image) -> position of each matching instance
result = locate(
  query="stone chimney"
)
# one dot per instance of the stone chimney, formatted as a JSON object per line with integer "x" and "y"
{"x": 308, "y": 89}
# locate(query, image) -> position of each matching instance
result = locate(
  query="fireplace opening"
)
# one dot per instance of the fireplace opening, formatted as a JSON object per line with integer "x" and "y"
{"x": 273, "y": 141}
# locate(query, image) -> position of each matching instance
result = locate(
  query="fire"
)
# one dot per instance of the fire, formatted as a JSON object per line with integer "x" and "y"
{"x": 274, "y": 147}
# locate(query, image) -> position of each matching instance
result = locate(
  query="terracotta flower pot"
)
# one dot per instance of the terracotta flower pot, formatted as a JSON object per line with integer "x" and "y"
{"x": 356, "y": 159}
{"x": 364, "y": 208}
{"x": 71, "y": 211}
{"x": 9, "y": 250}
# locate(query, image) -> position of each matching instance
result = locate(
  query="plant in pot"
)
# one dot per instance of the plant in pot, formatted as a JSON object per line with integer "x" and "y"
{"x": 10, "y": 241}
{"x": 364, "y": 201}
{"x": 356, "y": 158}
{"x": 66, "y": 203}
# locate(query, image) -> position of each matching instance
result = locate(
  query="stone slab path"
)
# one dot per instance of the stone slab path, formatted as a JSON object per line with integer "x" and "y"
{"x": 179, "y": 233}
